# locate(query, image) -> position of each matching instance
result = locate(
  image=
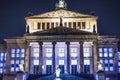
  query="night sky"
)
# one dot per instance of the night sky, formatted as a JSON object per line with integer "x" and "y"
{"x": 13, "y": 13}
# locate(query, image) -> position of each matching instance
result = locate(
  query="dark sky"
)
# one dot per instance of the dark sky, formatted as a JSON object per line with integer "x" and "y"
{"x": 13, "y": 12}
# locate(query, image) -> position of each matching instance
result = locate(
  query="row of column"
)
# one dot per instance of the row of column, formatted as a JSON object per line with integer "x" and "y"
{"x": 28, "y": 58}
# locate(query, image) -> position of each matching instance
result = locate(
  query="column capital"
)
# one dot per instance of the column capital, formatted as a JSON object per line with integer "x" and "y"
{"x": 67, "y": 42}
{"x": 54, "y": 42}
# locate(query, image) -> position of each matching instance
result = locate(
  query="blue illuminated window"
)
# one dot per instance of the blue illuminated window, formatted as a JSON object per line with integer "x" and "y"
{"x": 36, "y": 62}
{"x": 73, "y": 62}
{"x": 13, "y": 53}
{"x": 61, "y": 62}
{"x": 48, "y": 52}
{"x": 86, "y": 62}
{"x": 73, "y": 52}
{"x": 48, "y": 62}
{"x": 86, "y": 52}
{"x": 22, "y": 53}
{"x": 100, "y": 52}
{"x": 36, "y": 51}
{"x": 61, "y": 52}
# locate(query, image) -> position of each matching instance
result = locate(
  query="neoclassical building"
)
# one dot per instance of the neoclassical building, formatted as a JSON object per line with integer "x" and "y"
{"x": 60, "y": 38}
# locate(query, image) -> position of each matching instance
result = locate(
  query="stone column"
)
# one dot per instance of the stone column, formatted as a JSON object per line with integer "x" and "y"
{"x": 68, "y": 57}
{"x": 81, "y": 58}
{"x": 91, "y": 60}
{"x": 53, "y": 56}
{"x": 95, "y": 55}
{"x": 40, "y": 57}
{"x": 8, "y": 60}
{"x": 27, "y": 57}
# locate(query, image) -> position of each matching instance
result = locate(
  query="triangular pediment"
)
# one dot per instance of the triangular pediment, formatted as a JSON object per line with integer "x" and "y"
{"x": 62, "y": 13}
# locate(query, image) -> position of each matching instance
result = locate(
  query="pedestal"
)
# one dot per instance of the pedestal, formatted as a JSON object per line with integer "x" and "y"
{"x": 20, "y": 75}
{"x": 100, "y": 75}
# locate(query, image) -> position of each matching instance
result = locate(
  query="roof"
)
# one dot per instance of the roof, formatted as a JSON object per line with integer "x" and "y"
{"x": 61, "y": 13}
{"x": 61, "y": 31}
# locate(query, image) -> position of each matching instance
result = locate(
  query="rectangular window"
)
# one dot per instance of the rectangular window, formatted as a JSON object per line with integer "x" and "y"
{"x": 73, "y": 52}
{"x": 65, "y": 24}
{"x": 74, "y": 25}
{"x": 48, "y": 25}
{"x": 70, "y": 25}
{"x": 73, "y": 62}
{"x": 36, "y": 62}
{"x": 36, "y": 51}
{"x": 83, "y": 25}
{"x": 48, "y": 62}
{"x": 61, "y": 52}
{"x": 86, "y": 52}
{"x": 86, "y": 62}
{"x": 79, "y": 25}
{"x": 12, "y": 53}
{"x": 52, "y": 25}
{"x": 48, "y": 52}
{"x": 43, "y": 26}
{"x": 39, "y": 26}
{"x": 61, "y": 62}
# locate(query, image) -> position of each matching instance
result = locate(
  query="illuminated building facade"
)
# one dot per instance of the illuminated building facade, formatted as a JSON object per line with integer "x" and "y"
{"x": 60, "y": 38}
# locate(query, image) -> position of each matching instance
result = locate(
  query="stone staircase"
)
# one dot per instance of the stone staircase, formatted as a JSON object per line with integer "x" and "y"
{"x": 62, "y": 76}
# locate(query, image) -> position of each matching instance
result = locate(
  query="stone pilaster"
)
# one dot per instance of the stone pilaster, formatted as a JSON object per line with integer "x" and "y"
{"x": 8, "y": 60}
{"x": 27, "y": 57}
{"x": 81, "y": 57}
{"x": 68, "y": 57}
{"x": 95, "y": 55}
{"x": 40, "y": 57}
{"x": 53, "y": 57}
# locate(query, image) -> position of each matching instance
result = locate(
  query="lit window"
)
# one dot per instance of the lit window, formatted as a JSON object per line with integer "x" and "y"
{"x": 22, "y": 50}
{"x": 22, "y": 55}
{"x": 100, "y": 49}
{"x": 106, "y": 61}
{"x": 36, "y": 62}
{"x": 17, "y": 50}
{"x": 12, "y": 50}
{"x": 61, "y": 62}
{"x": 86, "y": 52}
{"x": 12, "y": 69}
{"x": 48, "y": 52}
{"x": 73, "y": 62}
{"x": 100, "y": 54}
{"x": 36, "y": 52}
{"x": 106, "y": 68}
{"x": 105, "y": 54}
{"x": 22, "y": 61}
{"x": 17, "y": 55}
{"x": 48, "y": 62}
{"x": 118, "y": 63}
{"x": 105, "y": 50}
{"x": 101, "y": 61}
{"x": 1, "y": 70}
{"x": 61, "y": 52}
{"x": 74, "y": 52}
{"x": 111, "y": 68}
{"x": 17, "y": 68}
{"x": 86, "y": 62}
{"x": 12, "y": 61}
{"x": 17, "y": 61}
{"x": 1, "y": 64}
{"x": 110, "y": 54}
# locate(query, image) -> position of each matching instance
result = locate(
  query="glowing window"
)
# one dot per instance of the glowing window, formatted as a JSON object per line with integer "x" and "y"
{"x": 36, "y": 62}
{"x": 105, "y": 54}
{"x": 12, "y": 55}
{"x": 1, "y": 70}
{"x": 100, "y": 49}
{"x": 86, "y": 52}
{"x": 61, "y": 52}
{"x": 101, "y": 61}
{"x": 100, "y": 54}
{"x": 74, "y": 52}
{"x": 48, "y": 52}
{"x": 48, "y": 62}
{"x": 12, "y": 62}
{"x": 86, "y": 62}
{"x": 12, "y": 69}
{"x": 73, "y": 62}
{"x": 106, "y": 69}
{"x": 22, "y": 50}
{"x": 17, "y": 50}
{"x": 17, "y": 61}
{"x": 17, "y": 55}
{"x": 1, "y": 64}
{"x": 61, "y": 62}
{"x": 22, "y": 61}
{"x": 106, "y": 61}
{"x": 17, "y": 68}
{"x": 12, "y": 50}
{"x": 111, "y": 69}
{"x": 36, "y": 51}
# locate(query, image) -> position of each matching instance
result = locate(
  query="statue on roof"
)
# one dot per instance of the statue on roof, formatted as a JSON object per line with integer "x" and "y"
{"x": 61, "y": 4}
